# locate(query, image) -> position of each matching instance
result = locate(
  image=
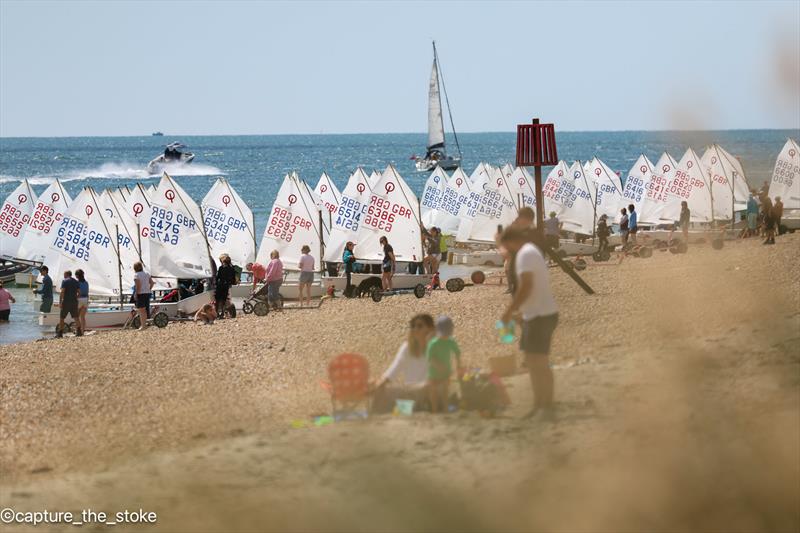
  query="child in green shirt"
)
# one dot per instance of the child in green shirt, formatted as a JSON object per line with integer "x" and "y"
{"x": 440, "y": 349}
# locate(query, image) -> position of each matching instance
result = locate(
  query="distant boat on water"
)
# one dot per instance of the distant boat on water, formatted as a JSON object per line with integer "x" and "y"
{"x": 157, "y": 134}
{"x": 436, "y": 153}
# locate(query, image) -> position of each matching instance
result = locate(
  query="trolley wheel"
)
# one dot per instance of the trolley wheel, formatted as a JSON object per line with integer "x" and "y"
{"x": 717, "y": 244}
{"x": 247, "y": 308}
{"x": 561, "y": 253}
{"x": 580, "y": 264}
{"x": 605, "y": 255}
{"x": 261, "y": 308}
{"x": 137, "y": 321}
{"x": 597, "y": 256}
{"x": 569, "y": 265}
{"x": 461, "y": 284}
{"x": 231, "y": 310}
{"x": 161, "y": 319}
{"x": 68, "y": 327}
{"x": 477, "y": 277}
{"x": 489, "y": 263}
{"x": 645, "y": 252}
{"x": 419, "y": 290}
{"x": 376, "y": 294}
{"x": 451, "y": 285}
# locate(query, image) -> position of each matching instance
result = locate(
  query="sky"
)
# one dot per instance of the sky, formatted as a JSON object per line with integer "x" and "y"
{"x": 218, "y": 68}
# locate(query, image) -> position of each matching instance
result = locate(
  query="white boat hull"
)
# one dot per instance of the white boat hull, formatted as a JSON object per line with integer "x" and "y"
{"x": 160, "y": 163}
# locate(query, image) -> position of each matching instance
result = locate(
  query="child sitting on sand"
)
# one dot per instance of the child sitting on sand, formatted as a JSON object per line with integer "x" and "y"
{"x": 440, "y": 349}
{"x": 207, "y": 314}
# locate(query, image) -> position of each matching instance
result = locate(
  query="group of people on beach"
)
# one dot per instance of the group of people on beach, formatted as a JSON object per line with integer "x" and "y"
{"x": 763, "y": 216}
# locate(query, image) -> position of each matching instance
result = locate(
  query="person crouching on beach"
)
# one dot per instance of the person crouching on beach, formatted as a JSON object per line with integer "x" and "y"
{"x": 534, "y": 300}
{"x": 207, "y": 314}
{"x": 259, "y": 273}
{"x": 440, "y": 350}
{"x": 274, "y": 279}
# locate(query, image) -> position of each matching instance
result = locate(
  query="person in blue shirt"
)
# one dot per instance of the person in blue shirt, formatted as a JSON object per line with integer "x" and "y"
{"x": 752, "y": 215}
{"x": 46, "y": 291}
{"x": 633, "y": 226}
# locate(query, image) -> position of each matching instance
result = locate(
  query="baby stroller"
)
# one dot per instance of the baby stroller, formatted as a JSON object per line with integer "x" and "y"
{"x": 259, "y": 304}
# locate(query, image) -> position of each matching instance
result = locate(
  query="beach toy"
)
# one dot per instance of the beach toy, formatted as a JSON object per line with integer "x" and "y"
{"x": 323, "y": 421}
{"x": 506, "y": 331}
{"x": 299, "y": 424}
{"x": 404, "y": 407}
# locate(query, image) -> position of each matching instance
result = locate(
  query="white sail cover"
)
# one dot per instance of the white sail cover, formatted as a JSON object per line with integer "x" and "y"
{"x": 608, "y": 189}
{"x": 786, "y": 176}
{"x": 456, "y": 193}
{"x": 636, "y": 183}
{"x": 522, "y": 188}
{"x": 174, "y": 234}
{"x": 688, "y": 184}
{"x": 577, "y": 213}
{"x": 350, "y": 214}
{"x": 497, "y": 207}
{"x": 392, "y": 211}
{"x": 557, "y": 188}
{"x": 293, "y": 223}
{"x": 15, "y": 214}
{"x": 47, "y": 214}
{"x": 656, "y": 190}
{"x": 432, "y": 196}
{"x": 85, "y": 240}
{"x": 229, "y": 224}
{"x": 435, "y": 122}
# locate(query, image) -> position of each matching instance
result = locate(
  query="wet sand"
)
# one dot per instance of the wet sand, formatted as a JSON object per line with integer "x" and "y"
{"x": 679, "y": 408}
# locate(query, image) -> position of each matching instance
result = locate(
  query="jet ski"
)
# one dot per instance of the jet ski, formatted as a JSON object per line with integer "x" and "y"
{"x": 171, "y": 158}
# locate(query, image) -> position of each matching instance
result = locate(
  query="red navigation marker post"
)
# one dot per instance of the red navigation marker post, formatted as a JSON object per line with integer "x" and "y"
{"x": 536, "y": 147}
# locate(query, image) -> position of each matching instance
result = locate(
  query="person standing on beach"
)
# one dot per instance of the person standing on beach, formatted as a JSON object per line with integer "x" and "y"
{"x": 685, "y": 219}
{"x": 526, "y": 222}
{"x": 6, "y": 299}
{"x": 143, "y": 286}
{"x": 348, "y": 259}
{"x": 432, "y": 249}
{"x": 83, "y": 298}
{"x": 769, "y": 222}
{"x": 552, "y": 230}
{"x": 534, "y": 300}
{"x": 633, "y": 223}
{"x": 624, "y": 227}
{"x": 68, "y": 301}
{"x": 441, "y": 350}
{"x": 777, "y": 214}
{"x": 274, "y": 279}
{"x": 388, "y": 265}
{"x": 603, "y": 232}
{"x": 306, "y": 265}
{"x": 752, "y": 215}
{"x": 46, "y": 291}
{"x": 226, "y": 277}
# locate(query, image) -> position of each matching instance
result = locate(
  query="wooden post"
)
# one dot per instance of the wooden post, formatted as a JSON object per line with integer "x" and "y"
{"x": 537, "y": 179}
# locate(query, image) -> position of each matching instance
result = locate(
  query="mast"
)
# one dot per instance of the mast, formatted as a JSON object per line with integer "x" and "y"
{"x": 446, "y": 99}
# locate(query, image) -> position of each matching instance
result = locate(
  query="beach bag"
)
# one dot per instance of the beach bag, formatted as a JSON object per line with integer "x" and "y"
{"x": 485, "y": 393}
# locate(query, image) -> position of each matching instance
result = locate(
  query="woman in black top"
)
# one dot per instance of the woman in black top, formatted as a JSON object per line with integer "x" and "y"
{"x": 389, "y": 264}
{"x": 226, "y": 276}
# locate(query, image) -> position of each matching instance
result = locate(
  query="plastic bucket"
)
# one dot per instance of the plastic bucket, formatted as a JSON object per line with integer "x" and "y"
{"x": 404, "y": 407}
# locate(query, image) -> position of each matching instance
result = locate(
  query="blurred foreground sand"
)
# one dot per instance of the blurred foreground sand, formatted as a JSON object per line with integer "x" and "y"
{"x": 679, "y": 408}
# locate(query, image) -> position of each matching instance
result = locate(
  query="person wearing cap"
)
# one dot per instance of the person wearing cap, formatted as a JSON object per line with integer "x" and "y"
{"x": 603, "y": 232}
{"x": 534, "y": 301}
{"x": 441, "y": 349}
{"x": 552, "y": 229}
{"x": 349, "y": 260}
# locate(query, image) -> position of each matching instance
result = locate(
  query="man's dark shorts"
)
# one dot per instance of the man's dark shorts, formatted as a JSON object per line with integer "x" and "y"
{"x": 537, "y": 334}
{"x": 143, "y": 302}
{"x": 69, "y": 309}
{"x": 47, "y": 305}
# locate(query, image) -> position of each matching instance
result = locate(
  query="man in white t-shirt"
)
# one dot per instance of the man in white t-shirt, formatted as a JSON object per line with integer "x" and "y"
{"x": 534, "y": 301}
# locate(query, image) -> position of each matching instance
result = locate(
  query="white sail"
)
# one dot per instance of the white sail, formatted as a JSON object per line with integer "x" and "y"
{"x": 497, "y": 207}
{"x": 121, "y": 226}
{"x": 656, "y": 190}
{"x": 688, "y": 184}
{"x": 608, "y": 192}
{"x": 229, "y": 224}
{"x": 578, "y": 208}
{"x": 47, "y": 214}
{"x": 349, "y": 216}
{"x": 85, "y": 240}
{"x": 456, "y": 193}
{"x": 741, "y": 190}
{"x": 174, "y": 234}
{"x": 293, "y": 223}
{"x": 15, "y": 214}
{"x": 522, "y": 188}
{"x": 432, "y": 196}
{"x": 469, "y": 209}
{"x": 728, "y": 184}
{"x": 328, "y": 198}
{"x": 392, "y": 211}
{"x": 557, "y": 188}
{"x": 373, "y": 178}
{"x": 636, "y": 183}
{"x": 786, "y": 176}
{"x": 435, "y": 122}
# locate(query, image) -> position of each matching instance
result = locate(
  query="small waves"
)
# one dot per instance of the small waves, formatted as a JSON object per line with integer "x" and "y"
{"x": 116, "y": 171}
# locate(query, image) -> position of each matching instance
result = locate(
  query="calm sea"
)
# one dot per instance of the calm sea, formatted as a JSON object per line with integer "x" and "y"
{"x": 255, "y": 164}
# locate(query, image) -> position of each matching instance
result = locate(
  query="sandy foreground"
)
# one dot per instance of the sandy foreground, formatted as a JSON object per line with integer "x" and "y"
{"x": 679, "y": 408}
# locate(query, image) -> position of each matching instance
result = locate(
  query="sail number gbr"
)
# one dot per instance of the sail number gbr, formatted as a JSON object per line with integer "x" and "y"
{"x": 165, "y": 225}
{"x": 283, "y": 224}
{"x": 382, "y": 213}
{"x": 12, "y": 220}
{"x": 75, "y": 238}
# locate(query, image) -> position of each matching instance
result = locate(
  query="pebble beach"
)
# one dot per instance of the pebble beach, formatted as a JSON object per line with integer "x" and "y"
{"x": 679, "y": 376}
